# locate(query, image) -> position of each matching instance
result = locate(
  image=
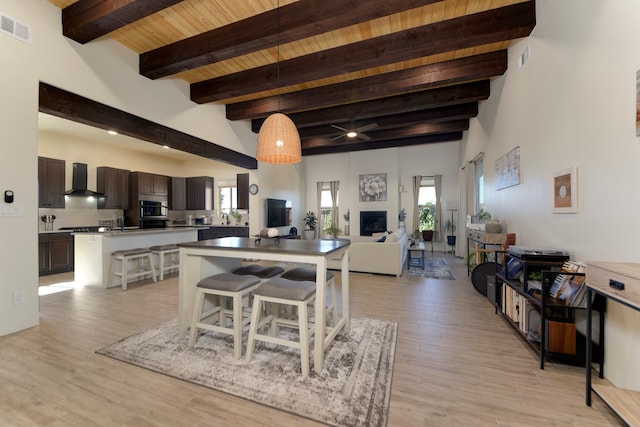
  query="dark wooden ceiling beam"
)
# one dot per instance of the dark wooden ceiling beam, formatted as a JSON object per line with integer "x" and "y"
{"x": 395, "y": 134}
{"x": 472, "y": 68}
{"x": 67, "y": 105}
{"x": 369, "y": 145}
{"x": 86, "y": 20}
{"x": 435, "y": 115}
{"x": 434, "y": 98}
{"x": 299, "y": 20}
{"x": 495, "y": 25}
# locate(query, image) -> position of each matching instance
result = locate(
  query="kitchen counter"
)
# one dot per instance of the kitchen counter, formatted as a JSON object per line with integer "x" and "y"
{"x": 92, "y": 257}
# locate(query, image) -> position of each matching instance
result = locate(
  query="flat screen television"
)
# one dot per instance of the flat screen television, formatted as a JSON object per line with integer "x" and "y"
{"x": 277, "y": 213}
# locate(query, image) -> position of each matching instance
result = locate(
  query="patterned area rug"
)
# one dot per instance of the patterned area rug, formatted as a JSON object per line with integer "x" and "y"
{"x": 434, "y": 268}
{"x": 353, "y": 388}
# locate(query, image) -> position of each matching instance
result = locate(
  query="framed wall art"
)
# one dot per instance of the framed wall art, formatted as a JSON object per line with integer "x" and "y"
{"x": 565, "y": 191}
{"x": 373, "y": 187}
{"x": 507, "y": 169}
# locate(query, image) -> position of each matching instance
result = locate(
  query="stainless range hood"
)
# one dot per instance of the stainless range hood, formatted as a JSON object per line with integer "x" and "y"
{"x": 79, "y": 183}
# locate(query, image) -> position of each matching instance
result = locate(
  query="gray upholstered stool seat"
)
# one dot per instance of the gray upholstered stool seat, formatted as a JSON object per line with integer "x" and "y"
{"x": 222, "y": 286}
{"x": 262, "y": 271}
{"x": 168, "y": 260}
{"x": 142, "y": 257}
{"x": 288, "y": 292}
{"x": 299, "y": 274}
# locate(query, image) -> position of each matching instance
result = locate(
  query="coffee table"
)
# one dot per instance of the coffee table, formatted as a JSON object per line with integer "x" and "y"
{"x": 416, "y": 261}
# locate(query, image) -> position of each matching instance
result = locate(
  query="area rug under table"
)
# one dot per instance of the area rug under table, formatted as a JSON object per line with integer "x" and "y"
{"x": 353, "y": 388}
{"x": 434, "y": 268}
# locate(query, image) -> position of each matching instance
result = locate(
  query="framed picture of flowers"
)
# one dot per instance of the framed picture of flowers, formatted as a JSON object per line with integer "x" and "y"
{"x": 373, "y": 187}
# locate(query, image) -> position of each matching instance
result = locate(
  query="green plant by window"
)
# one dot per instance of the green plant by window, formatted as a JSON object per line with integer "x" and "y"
{"x": 426, "y": 217}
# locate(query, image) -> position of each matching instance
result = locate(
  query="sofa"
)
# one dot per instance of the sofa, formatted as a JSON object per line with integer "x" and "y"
{"x": 380, "y": 253}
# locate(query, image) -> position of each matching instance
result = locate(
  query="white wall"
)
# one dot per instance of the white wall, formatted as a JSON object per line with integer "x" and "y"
{"x": 103, "y": 71}
{"x": 400, "y": 165}
{"x": 573, "y": 104}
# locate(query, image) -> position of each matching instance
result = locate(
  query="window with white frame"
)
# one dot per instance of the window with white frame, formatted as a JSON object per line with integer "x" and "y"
{"x": 427, "y": 200}
{"x": 228, "y": 199}
{"x": 325, "y": 207}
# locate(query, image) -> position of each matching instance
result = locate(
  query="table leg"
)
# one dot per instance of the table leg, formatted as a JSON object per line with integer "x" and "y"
{"x": 321, "y": 288}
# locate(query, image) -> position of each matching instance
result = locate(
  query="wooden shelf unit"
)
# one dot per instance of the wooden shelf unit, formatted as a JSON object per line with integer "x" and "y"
{"x": 600, "y": 278}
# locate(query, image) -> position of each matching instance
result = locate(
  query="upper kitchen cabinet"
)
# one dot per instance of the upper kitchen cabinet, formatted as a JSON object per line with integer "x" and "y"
{"x": 149, "y": 185}
{"x": 200, "y": 193}
{"x": 242, "y": 183}
{"x": 51, "y": 182}
{"x": 114, "y": 184}
{"x": 178, "y": 194}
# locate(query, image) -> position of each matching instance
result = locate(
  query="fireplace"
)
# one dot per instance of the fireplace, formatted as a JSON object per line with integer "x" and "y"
{"x": 372, "y": 222}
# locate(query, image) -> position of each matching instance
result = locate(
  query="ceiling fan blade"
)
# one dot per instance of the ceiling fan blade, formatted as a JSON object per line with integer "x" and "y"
{"x": 367, "y": 127}
{"x": 363, "y": 136}
{"x": 338, "y": 127}
{"x": 336, "y": 137}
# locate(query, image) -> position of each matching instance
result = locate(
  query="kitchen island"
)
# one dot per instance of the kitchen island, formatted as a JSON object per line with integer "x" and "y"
{"x": 92, "y": 257}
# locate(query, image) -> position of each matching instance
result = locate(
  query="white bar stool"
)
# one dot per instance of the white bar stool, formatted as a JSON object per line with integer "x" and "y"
{"x": 168, "y": 260}
{"x": 288, "y": 292}
{"x": 143, "y": 265}
{"x": 222, "y": 285}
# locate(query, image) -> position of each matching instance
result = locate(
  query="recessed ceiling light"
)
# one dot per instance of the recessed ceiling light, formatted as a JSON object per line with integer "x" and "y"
{"x": 112, "y": 132}
{"x": 166, "y": 147}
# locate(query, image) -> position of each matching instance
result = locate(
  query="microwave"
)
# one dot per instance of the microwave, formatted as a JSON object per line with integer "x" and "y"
{"x": 151, "y": 210}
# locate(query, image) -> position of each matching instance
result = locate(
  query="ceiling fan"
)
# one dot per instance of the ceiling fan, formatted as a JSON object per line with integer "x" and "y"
{"x": 355, "y": 132}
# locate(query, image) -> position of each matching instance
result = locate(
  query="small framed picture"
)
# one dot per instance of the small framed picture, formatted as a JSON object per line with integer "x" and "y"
{"x": 565, "y": 191}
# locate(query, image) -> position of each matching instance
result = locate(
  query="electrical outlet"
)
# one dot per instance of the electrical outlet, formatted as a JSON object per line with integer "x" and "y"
{"x": 18, "y": 297}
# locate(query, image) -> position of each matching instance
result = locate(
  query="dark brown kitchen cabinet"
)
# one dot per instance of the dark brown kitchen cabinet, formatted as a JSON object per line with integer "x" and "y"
{"x": 51, "y": 173}
{"x": 114, "y": 184}
{"x": 200, "y": 193}
{"x": 55, "y": 253}
{"x": 242, "y": 183}
{"x": 178, "y": 194}
{"x": 149, "y": 184}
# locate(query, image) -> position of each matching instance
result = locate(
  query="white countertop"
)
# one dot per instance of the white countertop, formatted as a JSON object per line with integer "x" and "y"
{"x": 136, "y": 231}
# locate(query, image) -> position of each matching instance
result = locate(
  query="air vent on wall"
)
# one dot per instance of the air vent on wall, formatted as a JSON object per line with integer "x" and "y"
{"x": 14, "y": 28}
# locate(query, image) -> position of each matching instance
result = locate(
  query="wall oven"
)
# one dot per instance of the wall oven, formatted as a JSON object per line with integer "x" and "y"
{"x": 153, "y": 210}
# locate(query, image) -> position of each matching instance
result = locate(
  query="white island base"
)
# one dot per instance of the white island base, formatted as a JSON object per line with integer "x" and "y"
{"x": 92, "y": 251}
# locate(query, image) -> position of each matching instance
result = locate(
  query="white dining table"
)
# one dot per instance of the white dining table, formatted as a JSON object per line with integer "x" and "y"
{"x": 208, "y": 257}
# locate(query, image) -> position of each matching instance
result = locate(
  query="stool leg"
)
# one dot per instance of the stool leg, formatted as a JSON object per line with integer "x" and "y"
{"x": 153, "y": 270}
{"x": 195, "y": 318}
{"x": 334, "y": 303}
{"x": 237, "y": 326}
{"x": 161, "y": 265}
{"x": 124, "y": 263}
{"x": 255, "y": 318}
{"x": 303, "y": 321}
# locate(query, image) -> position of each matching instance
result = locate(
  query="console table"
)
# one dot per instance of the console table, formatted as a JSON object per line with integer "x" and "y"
{"x": 607, "y": 279}
{"x": 481, "y": 240}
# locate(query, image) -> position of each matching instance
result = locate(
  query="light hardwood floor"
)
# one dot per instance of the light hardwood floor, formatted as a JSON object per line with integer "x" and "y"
{"x": 456, "y": 364}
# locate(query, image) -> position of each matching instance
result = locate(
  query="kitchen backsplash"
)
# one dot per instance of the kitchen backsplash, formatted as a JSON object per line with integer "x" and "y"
{"x": 83, "y": 211}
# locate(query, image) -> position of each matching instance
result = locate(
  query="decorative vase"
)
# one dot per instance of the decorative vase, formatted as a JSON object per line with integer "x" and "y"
{"x": 309, "y": 234}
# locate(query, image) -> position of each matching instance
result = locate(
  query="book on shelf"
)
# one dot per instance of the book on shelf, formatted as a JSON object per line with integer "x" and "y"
{"x": 569, "y": 287}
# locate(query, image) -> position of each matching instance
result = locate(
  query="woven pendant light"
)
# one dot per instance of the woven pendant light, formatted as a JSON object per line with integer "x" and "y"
{"x": 278, "y": 139}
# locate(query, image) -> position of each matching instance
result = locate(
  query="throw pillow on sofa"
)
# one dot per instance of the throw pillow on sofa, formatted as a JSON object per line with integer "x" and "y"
{"x": 382, "y": 239}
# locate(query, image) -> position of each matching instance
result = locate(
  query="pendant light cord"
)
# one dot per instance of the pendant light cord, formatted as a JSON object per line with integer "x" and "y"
{"x": 278, "y": 53}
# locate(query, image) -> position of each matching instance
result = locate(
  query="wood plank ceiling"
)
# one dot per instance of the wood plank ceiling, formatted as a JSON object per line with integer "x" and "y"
{"x": 408, "y": 71}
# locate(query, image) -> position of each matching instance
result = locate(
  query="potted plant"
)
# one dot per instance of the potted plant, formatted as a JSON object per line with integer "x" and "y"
{"x": 450, "y": 228}
{"x": 332, "y": 231}
{"x": 402, "y": 216}
{"x": 311, "y": 222}
{"x": 237, "y": 216}
{"x": 426, "y": 221}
